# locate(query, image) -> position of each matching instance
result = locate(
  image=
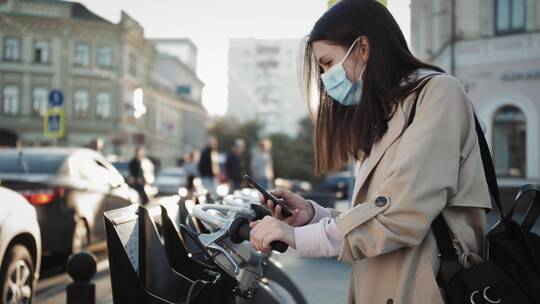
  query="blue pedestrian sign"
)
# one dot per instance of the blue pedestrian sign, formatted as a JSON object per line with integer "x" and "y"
{"x": 54, "y": 123}
{"x": 56, "y": 98}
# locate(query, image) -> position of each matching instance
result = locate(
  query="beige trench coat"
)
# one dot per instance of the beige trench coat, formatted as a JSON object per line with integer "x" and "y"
{"x": 411, "y": 175}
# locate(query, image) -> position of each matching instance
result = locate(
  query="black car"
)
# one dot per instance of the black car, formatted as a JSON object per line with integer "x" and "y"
{"x": 70, "y": 189}
{"x": 122, "y": 168}
{"x": 338, "y": 183}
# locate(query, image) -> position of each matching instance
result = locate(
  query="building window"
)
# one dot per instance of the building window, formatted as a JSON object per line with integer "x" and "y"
{"x": 132, "y": 65}
{"x": 104, "y": 58}
{"x": 262, "y": 50}
{"x": 42, "y": 52}
{"x": 82, "y": 54}
{"x": 183, "y": 90}
{"x": 12, "y": 49}
{"x": 39, "y": 101}
{"x": 10, "y": 100}
{"x": 509, "y": 16}
{"x": 509, "y": 142}
{"x": 81, "y": 104}
{"x": 103, "y": 105}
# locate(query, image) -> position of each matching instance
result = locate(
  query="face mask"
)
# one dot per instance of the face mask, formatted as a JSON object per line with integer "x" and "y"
{"x": 339, "y": 87}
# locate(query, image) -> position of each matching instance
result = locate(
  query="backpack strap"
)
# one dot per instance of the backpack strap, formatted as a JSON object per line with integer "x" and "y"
{"x": 489, "y": 170}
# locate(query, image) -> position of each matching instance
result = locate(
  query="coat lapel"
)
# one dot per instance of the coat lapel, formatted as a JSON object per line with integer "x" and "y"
{"x": 396, "y": 125}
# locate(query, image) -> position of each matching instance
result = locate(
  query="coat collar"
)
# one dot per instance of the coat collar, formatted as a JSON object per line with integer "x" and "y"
{"x": 396, "y": 126}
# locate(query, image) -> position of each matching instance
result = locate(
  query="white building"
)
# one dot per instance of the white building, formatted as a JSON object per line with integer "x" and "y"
{"x": 178, "y": 77}
{"x": 494, "y": 50}
{"x": 182, "y": 48}
{"x": 263, "y": 83}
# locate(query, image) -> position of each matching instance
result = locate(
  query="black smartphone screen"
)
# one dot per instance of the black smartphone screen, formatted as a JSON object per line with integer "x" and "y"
{"x": 285, "y": 211}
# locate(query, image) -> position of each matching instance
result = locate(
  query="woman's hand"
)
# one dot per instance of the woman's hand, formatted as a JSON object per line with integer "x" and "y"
{"x": 302, "y": 210}
{"x": 270, "y": 229}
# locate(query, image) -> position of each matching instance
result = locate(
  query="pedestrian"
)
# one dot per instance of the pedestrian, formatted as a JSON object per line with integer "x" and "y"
{"x": 190, "y": 168}
{"x": 141, "y": 173}
{"x": 367, "y": 82}
{"x": 96, "y": 144}
{"x": 233, "y": 165}
{"x": 262, "y": 167}
{"x": 209, "y": 165}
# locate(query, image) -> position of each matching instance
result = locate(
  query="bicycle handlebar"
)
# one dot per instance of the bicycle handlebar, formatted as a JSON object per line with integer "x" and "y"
{"x": 238, "y": 229}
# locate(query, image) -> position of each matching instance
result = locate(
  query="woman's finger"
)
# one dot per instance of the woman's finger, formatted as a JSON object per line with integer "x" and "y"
{"x": 254, "y": 237}
{"x": 269, "y": 238}
{"x": 277, "y": 212}
{"x": 271, "y": 206}
{"x": 280, "y": 193}
{"x": 253, "y": 224}
{"x": 258, "y": 232}
{"x": 291, "y": 219}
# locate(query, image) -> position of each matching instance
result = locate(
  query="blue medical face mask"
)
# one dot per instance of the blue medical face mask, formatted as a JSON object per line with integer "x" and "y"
{"x": 339, "y": 87}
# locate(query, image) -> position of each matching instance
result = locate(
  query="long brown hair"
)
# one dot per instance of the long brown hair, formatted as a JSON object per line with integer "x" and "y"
{"x": 345, "y": 132}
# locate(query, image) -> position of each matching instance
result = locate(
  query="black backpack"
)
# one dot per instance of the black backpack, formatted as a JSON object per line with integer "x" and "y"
{"x": 511, "y": 271}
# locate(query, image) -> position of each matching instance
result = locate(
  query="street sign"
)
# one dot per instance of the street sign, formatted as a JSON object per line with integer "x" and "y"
{"x": 54, "y": 123}
{"x": 56, "y": 98}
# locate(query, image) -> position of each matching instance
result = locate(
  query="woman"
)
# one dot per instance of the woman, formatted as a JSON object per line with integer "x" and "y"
{"x": 368, "y": 80}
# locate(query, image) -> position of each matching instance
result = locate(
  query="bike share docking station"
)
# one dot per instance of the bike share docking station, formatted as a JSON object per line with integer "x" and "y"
{"x": 165, "y": 254}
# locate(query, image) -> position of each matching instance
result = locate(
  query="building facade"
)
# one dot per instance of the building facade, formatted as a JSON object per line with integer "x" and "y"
{"x": 106, "y": 72}
{"x": 263, "y": 83}
{"x": 493, "y": 47}
{"x": 182, "y": 48}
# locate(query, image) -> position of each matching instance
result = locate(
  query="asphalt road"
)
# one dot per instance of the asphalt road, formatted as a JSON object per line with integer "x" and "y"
{"x": 52, "y": 285}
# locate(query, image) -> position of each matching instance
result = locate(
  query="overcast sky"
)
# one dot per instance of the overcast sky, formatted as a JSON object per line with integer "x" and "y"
{"x": 211, "y": 23}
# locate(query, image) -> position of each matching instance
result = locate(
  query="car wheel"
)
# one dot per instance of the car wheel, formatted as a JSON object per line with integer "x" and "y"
{"x": 80, "y": 238}
{"x": 17, "y": 276}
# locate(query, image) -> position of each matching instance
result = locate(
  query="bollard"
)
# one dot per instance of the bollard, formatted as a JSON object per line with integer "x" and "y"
{"x": 81, "y": 267}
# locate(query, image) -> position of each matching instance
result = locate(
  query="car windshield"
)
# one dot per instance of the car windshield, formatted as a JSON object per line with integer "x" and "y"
{"x": 31, "y": 163}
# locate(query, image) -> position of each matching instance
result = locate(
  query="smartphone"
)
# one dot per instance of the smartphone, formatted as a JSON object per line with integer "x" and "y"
{"x": 285, "y": 211}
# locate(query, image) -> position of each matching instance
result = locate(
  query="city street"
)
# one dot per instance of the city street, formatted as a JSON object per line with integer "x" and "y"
{"x": 52, "y": 285}
{"x": 113, "y": 112}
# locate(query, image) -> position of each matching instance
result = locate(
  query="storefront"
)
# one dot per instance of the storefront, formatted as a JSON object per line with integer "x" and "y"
{"x": 502, "y": 77}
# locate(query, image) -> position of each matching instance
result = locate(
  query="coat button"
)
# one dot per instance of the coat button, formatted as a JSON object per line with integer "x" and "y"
{"x": 380, "y": 201}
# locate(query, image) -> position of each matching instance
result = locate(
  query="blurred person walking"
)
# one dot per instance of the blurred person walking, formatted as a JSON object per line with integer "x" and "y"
{"x": 96, "y": 144}
{"x": 190, "y": 166}
{"x": 233, "y": 164}
{"x": 413, "y": 130}
{"x": 262, "y": 167}
{"x": 209, "y": 165}
{"x": 141, "y": 173}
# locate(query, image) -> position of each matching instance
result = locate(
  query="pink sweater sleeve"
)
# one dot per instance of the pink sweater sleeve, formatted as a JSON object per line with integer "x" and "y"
{"x": 320, "y": 237}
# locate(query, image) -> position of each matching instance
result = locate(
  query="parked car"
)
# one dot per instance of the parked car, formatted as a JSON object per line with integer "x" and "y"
{"x": 338, "y": 183}
{"x": 122, "y": 168}
{"x": 20, "y": 248}
{"x": 170, "y": 180}
{"x": 70, "y": 188}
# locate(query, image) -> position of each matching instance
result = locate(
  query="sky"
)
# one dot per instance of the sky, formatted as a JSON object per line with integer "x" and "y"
{"x": 211, "y": 23}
